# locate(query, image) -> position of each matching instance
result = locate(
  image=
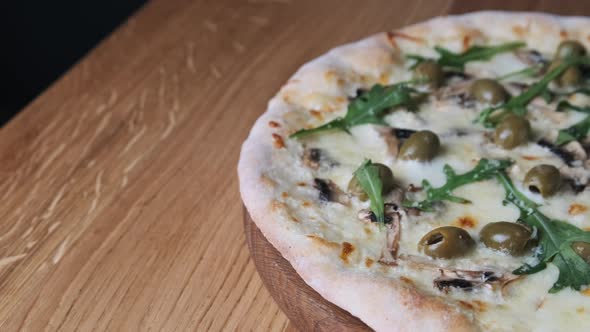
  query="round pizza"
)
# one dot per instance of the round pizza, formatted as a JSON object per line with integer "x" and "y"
{"x": 435, "y": 178}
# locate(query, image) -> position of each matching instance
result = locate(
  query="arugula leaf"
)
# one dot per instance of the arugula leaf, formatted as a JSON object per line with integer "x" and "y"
{"x": 555, "y": 241}
{"x": 369, "y": 108}
{"x": 458, "y": 60}
{"x": 518, "y": 104}
{"x": 485, "y": 169}
{"x": 368, "y": 177}
{"x": 577, "y": 131}
{"x": 527, "y": 72}
{"x": 474, "y": 53}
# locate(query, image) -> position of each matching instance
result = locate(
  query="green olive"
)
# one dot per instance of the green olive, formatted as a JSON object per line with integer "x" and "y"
{"x": 512, "y": 131}
{"x": 386, "y": 176}
{"x": 422, "y": 145}
{"x": 570, "y": 48}
{"x": 430, "y": 72}
{"x": 582, "y": 249}
{"x": 488, "y": 91}
{"x": 570, "y": 77}
{"x": 446, "y": 242}
{"x": 543, "y": 179}
{"x": 505, "y": 236}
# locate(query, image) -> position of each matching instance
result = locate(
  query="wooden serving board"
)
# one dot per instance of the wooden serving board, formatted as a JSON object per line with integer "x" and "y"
{"x": 307, "y": 310}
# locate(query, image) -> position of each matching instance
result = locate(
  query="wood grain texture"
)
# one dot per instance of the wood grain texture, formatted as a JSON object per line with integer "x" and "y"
{"x": 120, "y": 208}
{"x": 307, "y": 310}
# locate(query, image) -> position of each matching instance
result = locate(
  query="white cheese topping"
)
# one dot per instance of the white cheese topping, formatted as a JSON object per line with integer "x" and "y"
{"x": 525, "y": 304}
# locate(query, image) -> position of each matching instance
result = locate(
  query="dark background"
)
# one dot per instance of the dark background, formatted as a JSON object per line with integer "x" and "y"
{"x": 44, "y": 38}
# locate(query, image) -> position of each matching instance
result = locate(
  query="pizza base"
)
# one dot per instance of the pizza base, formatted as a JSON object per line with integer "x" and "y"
{"x": 382, "y": 303}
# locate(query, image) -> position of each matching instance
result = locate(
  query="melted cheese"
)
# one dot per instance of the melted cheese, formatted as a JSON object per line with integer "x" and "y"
{"x": 526, "y": 304}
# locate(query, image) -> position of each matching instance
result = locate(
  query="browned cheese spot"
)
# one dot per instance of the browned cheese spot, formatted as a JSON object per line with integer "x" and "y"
{"x": 369, "y": 262}
{"x": 391, "y": 38}
{"x": 392, "y": 35}
{"x": 563, "y": 34}
{"x": 273, "y": 124}
{"x": 301, "y": 184}
{"x": 466, "y": 42}
{"x": 519, "y": 30}
{"x": 407, "y": 281}
{"x": 278, "y": 141}
{"x": 466, "y": 222}
{"x": 321, "y": 241}
{"x": 306, "y": 204}
{"x": 347, "y": 249}
{"x": 330, "y": 75}
{"x": 466, "y": 305}
{"x": 530, "y": 157}
{"x": 287, "y": 97}
{"x": 480, "y": 305}
{"x": 276, "y": 205}
{"x": 267, "y": 181}
{"x": 580, "y": 310}
{"x": 284, "y": 194}
{"x": 341, "y": 100}
{"x": 368, "y": 231}
{"x": 586, "y": 292}
{"x": 317, "y": 114}
{"x": 577, "y": 208}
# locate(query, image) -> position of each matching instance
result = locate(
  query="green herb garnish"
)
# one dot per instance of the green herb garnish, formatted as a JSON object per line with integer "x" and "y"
{"x": 574, "y": 132}
{"x": 475, "y": 53}
{"x": 369, "y": 108}
{"x": 577, "y": 131}
{"x": 367, "y": 176}
{"x": 555, "y": 240}
{"x": 518, "y": 104}
{"x": 484, "y": 170}
{"x": 526, "y": 72}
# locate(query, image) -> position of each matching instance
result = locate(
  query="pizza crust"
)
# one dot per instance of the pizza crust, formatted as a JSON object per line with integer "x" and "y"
{"x": 382, "y": 303}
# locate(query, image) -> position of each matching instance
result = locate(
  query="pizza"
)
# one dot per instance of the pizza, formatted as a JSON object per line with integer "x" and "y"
{"x": 435, "y": 178}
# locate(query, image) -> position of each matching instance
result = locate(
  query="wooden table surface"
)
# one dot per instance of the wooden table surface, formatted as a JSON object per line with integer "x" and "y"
{"x": 120, "y": 206}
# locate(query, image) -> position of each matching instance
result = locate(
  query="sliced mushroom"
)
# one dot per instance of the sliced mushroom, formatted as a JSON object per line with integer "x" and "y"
{"x": 390, "y": 139}
{"x": 567, "y": 157}
{"x": 530, "y": 57}
{"x": 576, "y": 177}
{"x": 463, "y": 279}
{"x": 392, "y": 236}
{"x": 314, "y": 158}
{"x": 575, "y": 171}
{"x": 577, "y": 150}
{"x": 392, "y": 228}
{"x": 395, "y": 196}
{"x": 457, "y": 92}
{"x": 543, "y": 111}
{"x": 329, "y": 191}
{"x": 458, "y": 278}
{"x": 402, "y": 133}
{"x": 393, "y": 138}
{"x": 391, "y": 213}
